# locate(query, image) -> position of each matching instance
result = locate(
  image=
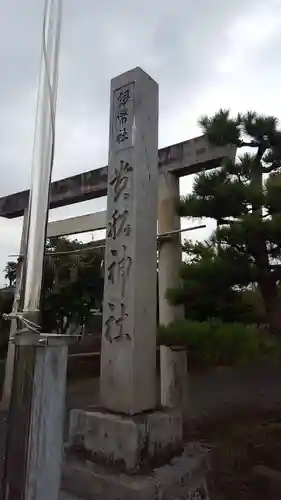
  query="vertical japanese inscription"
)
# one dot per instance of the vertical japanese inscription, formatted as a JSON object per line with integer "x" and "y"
{"x": 119, "y": 229}
{"x": 120, "y": 179}
{"x": 119, "y": 261}
{"x": 119, "y": 269}
{"x": 115, "y": 327}
{"x": 123, "y": 116}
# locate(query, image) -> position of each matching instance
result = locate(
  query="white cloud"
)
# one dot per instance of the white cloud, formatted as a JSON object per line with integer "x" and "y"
{"x": 247, "y": 35}
{"x": 205, "y": 55}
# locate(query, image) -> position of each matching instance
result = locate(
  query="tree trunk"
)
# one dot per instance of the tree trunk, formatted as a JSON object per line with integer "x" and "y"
{"x": 272, "y": 303}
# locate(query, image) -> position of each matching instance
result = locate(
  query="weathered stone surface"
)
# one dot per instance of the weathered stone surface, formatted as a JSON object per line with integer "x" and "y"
{"x": 93, "y": 483}
{"x": 174, "y": 378}
{"x": 182, "y": 479}
{"x": 126, "y": 443}
{"x": 170, "y": 251}
{"x": 128, "y": 357}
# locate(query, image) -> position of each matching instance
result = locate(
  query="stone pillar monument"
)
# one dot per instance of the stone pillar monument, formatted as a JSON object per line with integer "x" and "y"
{"x": 118, "y": 451}
{"x": 129, "y": 306}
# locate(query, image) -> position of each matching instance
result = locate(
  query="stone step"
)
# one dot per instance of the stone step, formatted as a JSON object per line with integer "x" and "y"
{"x": 184, "y": 477}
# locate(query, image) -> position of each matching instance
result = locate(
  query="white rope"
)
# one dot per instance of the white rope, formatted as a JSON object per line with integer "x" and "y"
{"x": 20, "y": 317}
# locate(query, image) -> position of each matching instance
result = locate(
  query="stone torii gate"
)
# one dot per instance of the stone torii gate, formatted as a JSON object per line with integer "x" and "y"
{"x": 185, "y": 158}
{"x": 178, "y": 160}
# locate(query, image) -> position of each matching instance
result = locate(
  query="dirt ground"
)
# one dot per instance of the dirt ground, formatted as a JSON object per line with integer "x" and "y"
{"x": 237, "y": 445}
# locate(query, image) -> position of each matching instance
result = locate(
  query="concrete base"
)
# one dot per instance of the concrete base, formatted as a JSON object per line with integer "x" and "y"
{"x": 122, "y": 443}
{"x": 183, "y": 478}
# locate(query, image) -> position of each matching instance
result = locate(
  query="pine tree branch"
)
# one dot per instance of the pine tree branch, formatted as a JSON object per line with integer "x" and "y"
{"x": 228, "y": 221}
{"x": 250, "y": 144}
{"x": 269, "y": 169}
{"x": 261, "y": 150}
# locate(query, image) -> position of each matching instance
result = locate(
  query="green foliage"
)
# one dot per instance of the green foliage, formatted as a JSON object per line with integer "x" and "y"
{"x": 73, "y": 284}
{"x": 246, "y": 205}
{"x": 216, "y": 343}
{"x": 221, "y": 129}
{"x": 206, "y": 288}
{"x": 10, "y": 272}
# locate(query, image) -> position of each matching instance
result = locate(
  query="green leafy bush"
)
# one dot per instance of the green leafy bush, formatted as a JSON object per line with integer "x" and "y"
{"x": 218, "y": 343}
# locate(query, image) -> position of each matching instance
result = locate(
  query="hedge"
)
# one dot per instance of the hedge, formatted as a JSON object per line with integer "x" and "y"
{"x": 218, "y": 343}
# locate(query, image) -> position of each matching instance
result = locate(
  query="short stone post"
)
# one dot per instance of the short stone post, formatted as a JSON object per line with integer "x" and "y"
{"x": 174, "y": 378}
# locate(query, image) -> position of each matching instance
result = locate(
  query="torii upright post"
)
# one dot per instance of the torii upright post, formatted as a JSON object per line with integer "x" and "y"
{"x": 34, "y": 443}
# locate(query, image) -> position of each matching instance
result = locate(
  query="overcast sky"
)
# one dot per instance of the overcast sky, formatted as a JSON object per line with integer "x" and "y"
{"x": 205, "y": 55}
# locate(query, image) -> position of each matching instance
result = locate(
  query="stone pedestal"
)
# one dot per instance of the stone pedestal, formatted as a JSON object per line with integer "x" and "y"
{"x": 119, "y": 457}
{"x": 123, "y": 443}
{"x": 183, "y": 477}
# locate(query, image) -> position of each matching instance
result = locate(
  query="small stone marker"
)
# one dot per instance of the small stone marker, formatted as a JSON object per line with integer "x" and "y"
{"x": 128, "y": 359}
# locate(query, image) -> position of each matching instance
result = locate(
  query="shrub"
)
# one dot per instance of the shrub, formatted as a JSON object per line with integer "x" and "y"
{"x": 217, "y": 343}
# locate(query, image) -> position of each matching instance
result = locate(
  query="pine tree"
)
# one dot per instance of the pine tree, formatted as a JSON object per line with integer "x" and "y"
{"x": 205, "y": 296}
{"x": 244, "y": 197}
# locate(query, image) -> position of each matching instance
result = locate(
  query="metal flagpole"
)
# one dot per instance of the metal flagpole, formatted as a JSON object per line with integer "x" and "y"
{"x": 34, "y": 442}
